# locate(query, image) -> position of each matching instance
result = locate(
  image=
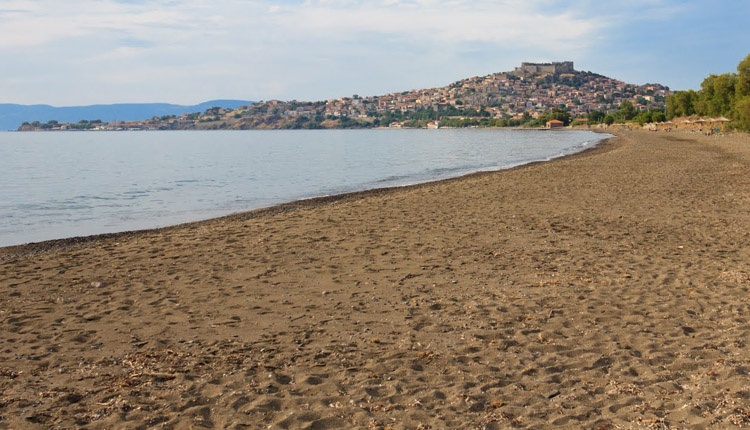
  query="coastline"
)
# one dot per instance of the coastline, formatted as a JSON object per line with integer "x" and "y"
{"x": 605, "y": 289}
{"x": 75, "y": 241}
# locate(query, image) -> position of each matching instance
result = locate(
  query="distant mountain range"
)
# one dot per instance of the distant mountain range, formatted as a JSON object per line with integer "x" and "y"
{"x": 12, "y": 115}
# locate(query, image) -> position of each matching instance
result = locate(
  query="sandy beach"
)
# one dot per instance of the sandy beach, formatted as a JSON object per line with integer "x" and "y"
{"x": 605, "y": 290}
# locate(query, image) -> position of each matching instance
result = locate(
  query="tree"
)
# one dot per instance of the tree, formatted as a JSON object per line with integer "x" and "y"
{"x": 681, "y": 103}
{"x": 596, "y": 116}
{"x": 742, "y": 110}
{"x": 644, "y": 117}
{"x": 627, "y": 110}
{"x": 560, "y": 115}
{"x": 609, "y": 119}
{"x": 717, "y": 95}
{"x": 742, "y": 87}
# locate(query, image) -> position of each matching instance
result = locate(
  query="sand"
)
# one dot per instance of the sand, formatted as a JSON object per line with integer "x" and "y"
{"x": 606, "y": 290}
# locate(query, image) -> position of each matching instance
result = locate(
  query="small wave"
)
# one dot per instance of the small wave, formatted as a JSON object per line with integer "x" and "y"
{"x": 390, "y": 179}
{"x": 100, "y": 198}
{"x": 438, "y": 173}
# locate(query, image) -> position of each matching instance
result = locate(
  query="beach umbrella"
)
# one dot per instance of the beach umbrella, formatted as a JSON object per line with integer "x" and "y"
{"x": 721, "y": 121}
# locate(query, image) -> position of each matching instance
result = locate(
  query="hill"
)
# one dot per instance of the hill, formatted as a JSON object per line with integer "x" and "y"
{"x": 527, "y": 96}
{"x": 12, "y": 115}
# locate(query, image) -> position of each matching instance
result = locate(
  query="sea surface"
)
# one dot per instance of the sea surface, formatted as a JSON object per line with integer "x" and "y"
{"x": 63, "y": 184}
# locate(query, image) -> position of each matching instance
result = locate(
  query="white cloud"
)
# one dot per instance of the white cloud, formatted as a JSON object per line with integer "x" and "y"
{"x": 519, "y": 23}
{"x": 188, "y": 50}
{"x": 119, "y": 53}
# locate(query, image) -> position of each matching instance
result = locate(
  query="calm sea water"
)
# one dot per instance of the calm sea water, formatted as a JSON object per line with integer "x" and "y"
{"x": 64, "y": 184}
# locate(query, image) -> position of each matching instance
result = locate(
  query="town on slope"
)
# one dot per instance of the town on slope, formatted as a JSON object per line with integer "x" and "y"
{"x": 530, "y": 96}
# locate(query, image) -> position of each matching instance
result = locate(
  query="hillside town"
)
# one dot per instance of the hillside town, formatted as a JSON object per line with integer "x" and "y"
{"x": 512, "y": 98}
{"x": 531, "y": 89}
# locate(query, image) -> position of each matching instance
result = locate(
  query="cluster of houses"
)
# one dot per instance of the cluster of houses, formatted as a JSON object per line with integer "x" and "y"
{"x": 503, "y": 95}
{"x": 528, "y": 91}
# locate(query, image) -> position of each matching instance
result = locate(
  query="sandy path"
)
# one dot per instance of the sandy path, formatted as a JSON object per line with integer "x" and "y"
{"x": 606, "y": 290}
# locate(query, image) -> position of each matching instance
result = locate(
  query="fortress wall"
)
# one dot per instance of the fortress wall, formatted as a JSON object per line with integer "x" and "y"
{"x": 553, "y": 68}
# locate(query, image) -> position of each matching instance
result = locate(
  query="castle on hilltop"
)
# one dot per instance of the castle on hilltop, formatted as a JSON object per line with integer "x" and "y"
{"x": 551, "y": 68}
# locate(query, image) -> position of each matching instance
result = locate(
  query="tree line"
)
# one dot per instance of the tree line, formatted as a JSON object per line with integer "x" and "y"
{"x": 49, "y": 125}
{"x": 725, "y": 95}
{"x": 626, "y": 113}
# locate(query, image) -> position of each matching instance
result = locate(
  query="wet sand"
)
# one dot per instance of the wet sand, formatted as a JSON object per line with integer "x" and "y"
{"x": 605, "y": 290}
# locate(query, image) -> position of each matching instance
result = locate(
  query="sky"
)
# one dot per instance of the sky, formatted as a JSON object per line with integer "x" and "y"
{"x": 80, "y": 52}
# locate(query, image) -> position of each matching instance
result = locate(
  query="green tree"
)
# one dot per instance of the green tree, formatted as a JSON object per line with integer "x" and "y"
{"x": 560, "y": 115}
{"x": 681, "y": 103}
{"x": 609, "y": 119}
{"x": 742, "y": 87}
{"x": 627, "y": 110}
{"x": 742, "y": 110}
{"x": 644, "y": 117}
{"x": 717, "y": 95}
{"x": 596, "y": 116}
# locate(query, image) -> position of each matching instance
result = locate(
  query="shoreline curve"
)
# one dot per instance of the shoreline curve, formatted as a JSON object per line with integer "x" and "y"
{"x": 31, "y": 248}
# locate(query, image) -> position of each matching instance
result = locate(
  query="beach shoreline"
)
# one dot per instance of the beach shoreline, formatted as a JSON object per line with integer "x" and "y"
{"x": 605, "y": 289}
{"x": 11, "y": 251}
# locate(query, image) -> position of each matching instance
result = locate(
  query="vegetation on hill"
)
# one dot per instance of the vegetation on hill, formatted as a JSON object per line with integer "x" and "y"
{"x": 725, "y": 95}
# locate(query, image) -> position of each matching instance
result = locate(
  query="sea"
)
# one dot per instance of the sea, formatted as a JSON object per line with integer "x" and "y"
{"x": 64, "y": 184}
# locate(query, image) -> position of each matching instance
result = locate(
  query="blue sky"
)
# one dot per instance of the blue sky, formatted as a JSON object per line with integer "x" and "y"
{"x": 188, "y": 51}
